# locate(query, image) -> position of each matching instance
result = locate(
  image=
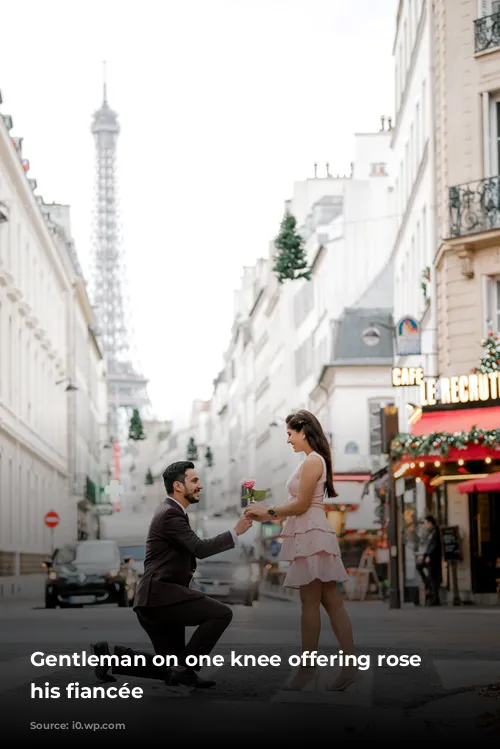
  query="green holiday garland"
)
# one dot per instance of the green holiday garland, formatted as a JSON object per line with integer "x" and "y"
{"x": 440, "y": 443}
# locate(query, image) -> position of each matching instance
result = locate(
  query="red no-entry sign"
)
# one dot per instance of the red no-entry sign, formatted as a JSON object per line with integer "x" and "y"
{"x": 51, "y": 519}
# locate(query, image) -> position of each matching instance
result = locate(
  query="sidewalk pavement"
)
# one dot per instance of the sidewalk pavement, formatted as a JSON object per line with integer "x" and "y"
{"x": 278, "y": 592}
{"x": 472, "y": 709}
{"x": 469, "y": 709}
{"x": 22, "y": 587}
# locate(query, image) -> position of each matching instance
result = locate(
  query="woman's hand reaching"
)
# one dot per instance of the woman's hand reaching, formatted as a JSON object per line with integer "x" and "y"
{"x": 257, "y": 512}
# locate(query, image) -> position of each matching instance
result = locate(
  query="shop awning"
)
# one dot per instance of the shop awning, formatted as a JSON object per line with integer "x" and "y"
{"x": 460, "y": 420}
{"x": 490, "y": 483}
{"x": 349, "y": 487}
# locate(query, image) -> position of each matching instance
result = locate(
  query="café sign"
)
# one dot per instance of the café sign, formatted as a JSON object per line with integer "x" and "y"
{"x": 407, "y": 376}
{"x": 472, "y": 388}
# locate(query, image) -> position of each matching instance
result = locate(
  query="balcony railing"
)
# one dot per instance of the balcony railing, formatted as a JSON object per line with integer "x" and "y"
{"x": 474, "y": 207}
{"x": 487, "y": 32}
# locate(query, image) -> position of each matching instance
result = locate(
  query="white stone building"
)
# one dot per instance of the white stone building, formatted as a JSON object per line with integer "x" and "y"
{"x": 415, "y": 194}
{"x": 218, "y": 475}
{"x": 49, "y": 435}
{"x": 288, "y": 347}
{"x": 86, "y": 372}
{"x": 189, "y": 442}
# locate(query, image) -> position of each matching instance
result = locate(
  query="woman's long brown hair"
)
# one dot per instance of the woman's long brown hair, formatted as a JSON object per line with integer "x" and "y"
{"x": 306, "y": 421}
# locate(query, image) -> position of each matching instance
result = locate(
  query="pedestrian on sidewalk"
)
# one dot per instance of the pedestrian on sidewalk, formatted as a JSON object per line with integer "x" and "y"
{"x": 164, "y": 603}
{"x": 311, "y": 546}
{"x": 429, "y": 563}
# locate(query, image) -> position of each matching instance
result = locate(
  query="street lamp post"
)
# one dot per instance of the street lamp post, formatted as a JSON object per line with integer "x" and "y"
{"x": 390, "y": 419}
{"x": 394, "y": 591}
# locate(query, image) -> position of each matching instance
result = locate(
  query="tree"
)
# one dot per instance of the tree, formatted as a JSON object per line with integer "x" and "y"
{"x": 136, "y": 430}
{"x": 192, "y": 450}
{"x": 490, "y": 361}
{"x": 291, "y": 260}
{"x": 149, "y": 478}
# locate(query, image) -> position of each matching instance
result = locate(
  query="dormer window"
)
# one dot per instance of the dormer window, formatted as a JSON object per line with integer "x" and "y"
{"x": 379, "y": 170}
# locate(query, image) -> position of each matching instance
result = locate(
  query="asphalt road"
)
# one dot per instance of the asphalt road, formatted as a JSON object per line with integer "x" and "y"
{"x": 459, "y": 649}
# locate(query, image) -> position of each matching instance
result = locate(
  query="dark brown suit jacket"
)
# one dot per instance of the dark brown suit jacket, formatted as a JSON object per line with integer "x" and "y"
{"x": 172, "y": 548}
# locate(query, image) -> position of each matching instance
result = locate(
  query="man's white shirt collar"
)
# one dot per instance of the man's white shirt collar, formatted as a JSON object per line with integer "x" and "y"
{"x": 178, "y": 503}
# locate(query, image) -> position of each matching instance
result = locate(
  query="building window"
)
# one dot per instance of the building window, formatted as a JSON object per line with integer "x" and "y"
{"x": 303, "y": 303}
{"x": 375, "y": 424}
{"x": 491, "y": 305}
{"x": 304, "y": 360}
{"x": 496, "y": 310}
{"x": 488, "y": 8}
{"x": 424, "y": 113}
{"x": 379, "y": 170}
{"x": 401, "y": 73}
{"x": 493, "y": 147}
{"x": 407, "y": 171}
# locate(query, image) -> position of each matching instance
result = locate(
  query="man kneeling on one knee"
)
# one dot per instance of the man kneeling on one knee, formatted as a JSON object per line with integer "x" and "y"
{"x": 164, "y": 603}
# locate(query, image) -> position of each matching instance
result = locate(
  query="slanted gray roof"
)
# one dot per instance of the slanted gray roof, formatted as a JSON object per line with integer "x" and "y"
{"x": 349, "y": 348}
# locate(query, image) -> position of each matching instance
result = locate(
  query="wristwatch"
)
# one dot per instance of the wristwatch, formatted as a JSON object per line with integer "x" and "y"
{"x": 271, "y": 512}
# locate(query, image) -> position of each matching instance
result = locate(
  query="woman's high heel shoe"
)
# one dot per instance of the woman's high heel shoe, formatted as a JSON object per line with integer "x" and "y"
{"x": 341, "y": 684}
{"x": 302, "y": 678}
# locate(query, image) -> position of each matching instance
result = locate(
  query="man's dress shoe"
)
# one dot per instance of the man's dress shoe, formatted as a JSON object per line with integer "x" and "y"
{"x": 101, "y": 672}
{"x": 189, "y": 678}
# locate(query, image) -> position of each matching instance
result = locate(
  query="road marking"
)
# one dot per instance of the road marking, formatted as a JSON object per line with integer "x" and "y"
{"x": 455, "y": 674}
{"x": 357, "y": 695}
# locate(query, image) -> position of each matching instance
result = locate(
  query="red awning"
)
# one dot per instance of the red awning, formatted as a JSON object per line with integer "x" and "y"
{"x": 461, "y": 420}
{"x": 490, "y": 483}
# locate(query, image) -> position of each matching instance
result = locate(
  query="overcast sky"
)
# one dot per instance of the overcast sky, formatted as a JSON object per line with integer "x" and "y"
{"x": 223, "y": 105}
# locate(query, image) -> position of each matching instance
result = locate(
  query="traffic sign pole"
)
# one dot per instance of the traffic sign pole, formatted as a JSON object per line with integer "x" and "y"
{"x": 51, "y": 520}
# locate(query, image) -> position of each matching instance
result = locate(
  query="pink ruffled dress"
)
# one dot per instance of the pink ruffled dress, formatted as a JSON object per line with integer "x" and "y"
{"x": 309, "y": 542}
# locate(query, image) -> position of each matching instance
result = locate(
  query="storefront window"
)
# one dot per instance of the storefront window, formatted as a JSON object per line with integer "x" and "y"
{"x": 437, "y": 504}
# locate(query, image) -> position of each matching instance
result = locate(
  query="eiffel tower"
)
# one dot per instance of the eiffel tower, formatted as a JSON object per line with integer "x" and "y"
{"x": 127, "y": 386}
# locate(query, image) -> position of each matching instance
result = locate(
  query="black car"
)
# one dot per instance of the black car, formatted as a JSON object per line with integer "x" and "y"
{"x": 89, "y": 572}
{"x": 231, "y": 576}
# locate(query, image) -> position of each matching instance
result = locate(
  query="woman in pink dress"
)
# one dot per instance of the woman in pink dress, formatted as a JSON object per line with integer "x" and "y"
{"x": 311, "y": 546}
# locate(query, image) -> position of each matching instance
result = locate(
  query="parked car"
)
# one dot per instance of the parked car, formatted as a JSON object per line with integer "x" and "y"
{"x": 89, "y": 572}
{"x": 232, "y": 577}
{"x": 134, "y": 555}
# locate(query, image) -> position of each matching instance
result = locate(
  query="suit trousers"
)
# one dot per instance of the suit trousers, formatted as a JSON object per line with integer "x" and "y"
{"x": 165, "y": 627}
